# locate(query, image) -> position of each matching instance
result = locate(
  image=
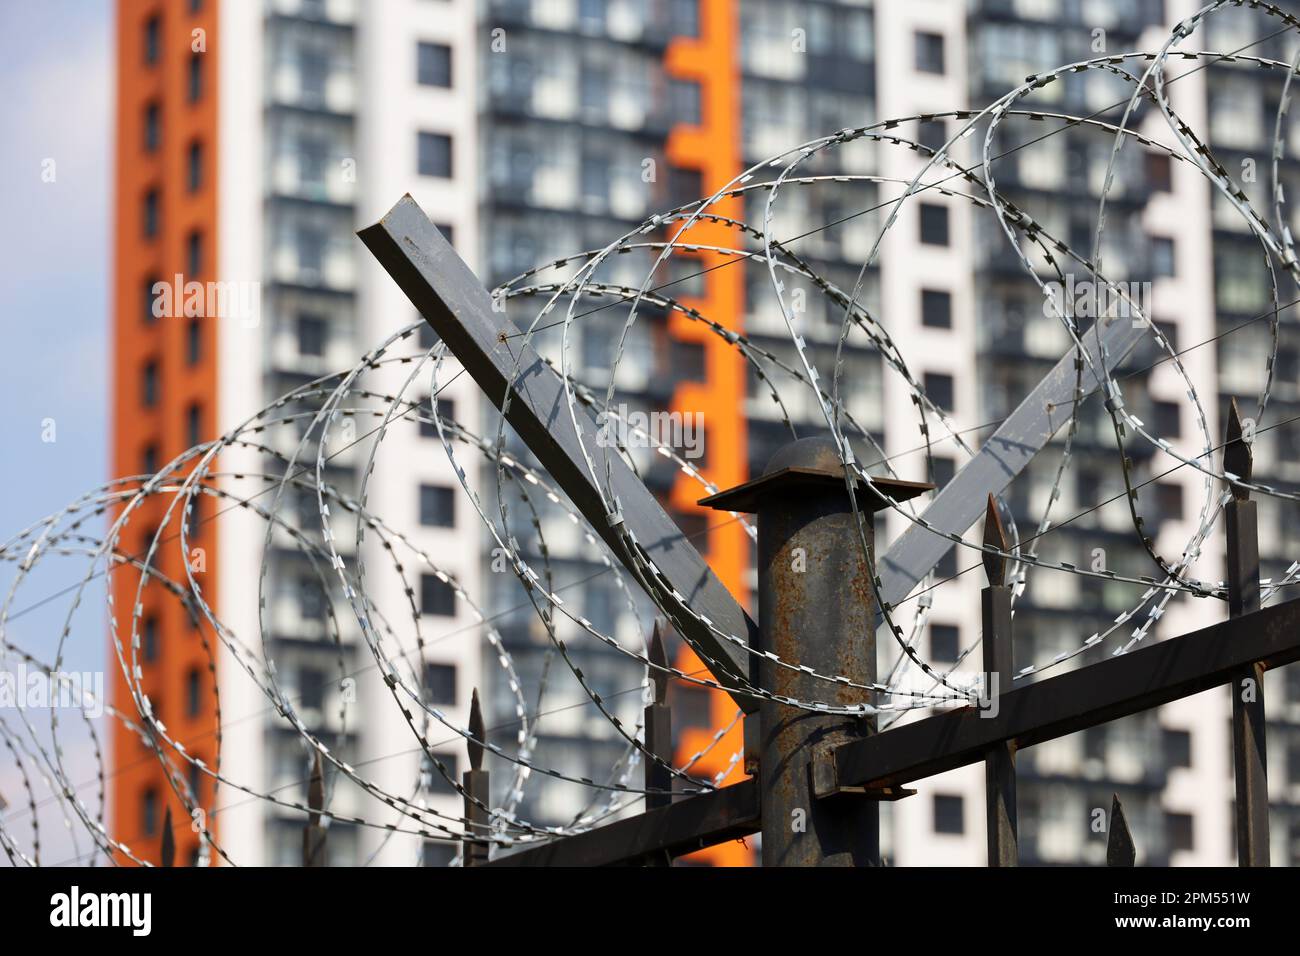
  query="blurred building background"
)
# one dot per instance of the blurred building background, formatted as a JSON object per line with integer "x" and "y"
{"x": 536, "y": 130}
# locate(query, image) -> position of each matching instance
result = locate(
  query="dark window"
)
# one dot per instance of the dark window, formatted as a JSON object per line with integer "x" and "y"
{"x": 149, "y": 639}
{"x": 440, "y": 683}
{"x": 1293, "y": 763}
{"x": 150, "y": 297}
{"x": 1170, "y": 331}
{"x": 1167, "y": 418}
{"x": 194, "y": 692}
{"x": 194, "y": 167}
{"x": 929, "y": 52}
{"x": 196, "y": 6}
{"x": 448, "y": 233}
{"x": 196, "y": 781}
{"x": 311, "y": 599}
{"x": 149, "y": 460}
{"x": 427, "y": 337}
{"x": 945, "y": 643}
{"x": 1179, "y": 827}
{"x": 436, "y": 853}
{"x": 313, "y": 72}
{"x": 436, "y": 596}
{"x": 149, "y": 214}
{"x": 149, "y": 812}
{"x": 936, "y": 309}
{"x": 446, "y": 411}
{"x": 684, "y": 18}
{"x": 195, "y": 87}
{"x": 932, "y": 134}
{"x": 193, "y": 342}
{"x": 944, "y": 469}
{"x": 433, "y": 64}
{"x": 1169, "y": 501}
{"x": 940, "y": 389}
{"x": 312, "y": 333}
{"x": 949, "y": 815}
{"x": 434, "y": 154}
{"x": 194, "y": 254}
{"x": 1159, "y": 172}
{"x": 194, "y": 424}
{"x": 149, "y": 385}
{"x": 1178, "y": 748}
{"x": 685, "y": 101}
{"x": 432, "y": 779}
{"x": 152, "y": 127}
{"x": 152, "y": 39}
{"x": 1162, "y": 257}
{"x": 934, "y": 224}
{"x": 311, "y": 688}
{"x": 437, "y": 506}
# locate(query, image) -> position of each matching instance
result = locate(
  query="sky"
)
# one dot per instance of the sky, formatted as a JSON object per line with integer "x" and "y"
{"x": 56, "y": 73}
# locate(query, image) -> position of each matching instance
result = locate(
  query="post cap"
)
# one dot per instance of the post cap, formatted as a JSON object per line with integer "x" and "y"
{"x": 808, "y": 464}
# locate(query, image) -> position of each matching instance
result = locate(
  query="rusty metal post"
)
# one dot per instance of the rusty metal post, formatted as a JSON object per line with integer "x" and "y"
{"x": 1000, "y": 764}
{"x": 816, "y": 610}
{"x": 658, "y": 739}
{"x": 474, "y": 849}
{"x": 1249, "y": 753}
{"x": 313, "y": 835}
{"x": 167, "y": 849}
{"x": 1120, "y": 850}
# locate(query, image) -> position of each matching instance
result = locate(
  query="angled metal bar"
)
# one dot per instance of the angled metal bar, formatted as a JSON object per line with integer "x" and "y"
{"x": 455, "y": 303}
{"x": 1093, "y": 695}
{"x": 682, "y": 827}
{"x": 1022, "y": 436}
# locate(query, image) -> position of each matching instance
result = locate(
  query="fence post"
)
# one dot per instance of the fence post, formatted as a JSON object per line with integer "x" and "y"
{"x": 167, "y": 850}
{"x": 1120, "y": 850}
{"x": 475, "y": 845}
{"x": 1000, "y": 764}
{"x": 313, "y": 835}
{"x": 1249, "y": 751}
{"x": 658, "y": 738}
{"x": 816, "y": 610}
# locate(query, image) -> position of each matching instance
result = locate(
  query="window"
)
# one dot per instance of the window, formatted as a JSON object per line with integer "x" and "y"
{"x": 195, "y": 85}
{"x": 194, "y": 254}
{"x": 936, "y": 309}
{"x": 313, "y": 330}
{"x": 1179, "y": 828}
{"x": 433, "y": 64}
{"x": 932, "y": 135}
{"x": 934, "y": 224}
{"x": 194, "y": 424}
{"x": 432, "y": 778}
{"x": 149, "y": 812}
{"x": 446, "y": 411}
{"x": 426, "y": 336}
{"x": 1178, "y": 748}
{"x": 434, "y": 155}
{"x": 945, "y": 643}
{"x": 149, "y": 460}
{"x": 1162, "y": 257}
{"x": 311, "y": 688}
{"x": 310, "y": 242}
{"x": 193, "y": 342}
{"x": 684, "y": 18}
{"x": 1293, "y": 763}
{"x": 448, "y": 233}
{"x": 149, "y": 301}
{"x": 591, "y": 14}
{"x": 152, "y": 127}
{"x": 152, "y": 39}
{"x": 929, "y": 52}
{"x": 194, "y": 167}
{"x": 949, "y": 814}
{"x": 313, "y": 72}
{"x": 1169, "y": 501}
{"x": 437, "y": 597}
{"x": 194, "y": 692}
{"x": 149, "y": 639}
{"x": 940, "y": 389}
{"x": 685, "y": 100}
{"x": 1159, "y": 169}
{"x": 437, "y": 853}
{"x": 149, "y": 384}
{"x": 149, "y": 214}
{"x": 311, "y": 600}
{"x": 440, "y": 683}
{"x": 437, "y": 506}
{"x": 1167, "y": 418}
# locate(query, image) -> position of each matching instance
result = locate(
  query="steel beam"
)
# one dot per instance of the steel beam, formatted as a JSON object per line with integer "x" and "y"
{"x": 684, "y": 826}
{"x": 1093, "y": 695}
{"x": 458, "y": 307}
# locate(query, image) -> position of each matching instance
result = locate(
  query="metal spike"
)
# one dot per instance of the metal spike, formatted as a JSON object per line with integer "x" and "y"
{"x": 316, "y": 790}
{"x": 1120, "y": 850}
{"x": 478, "y": 733}
{"x": 1238, "y": 459}
{"x": 995, "y": 535}
{"x": 167, "y": 852}
{"x": 660, "y": 659}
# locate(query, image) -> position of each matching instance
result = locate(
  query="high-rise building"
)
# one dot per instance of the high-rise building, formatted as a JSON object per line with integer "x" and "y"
{"x": 533, "y": 132}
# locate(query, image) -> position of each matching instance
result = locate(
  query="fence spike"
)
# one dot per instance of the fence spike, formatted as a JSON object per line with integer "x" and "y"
{"x": 167, "y": 852}
{"x": 478, "y": 733}
{"x": 1120, "y": 850}
{"x": 316, "y": 790}
{"x": 660, "y": 659}
{"x": 995, "y": 535}
{"x": 1238, "y": 458}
